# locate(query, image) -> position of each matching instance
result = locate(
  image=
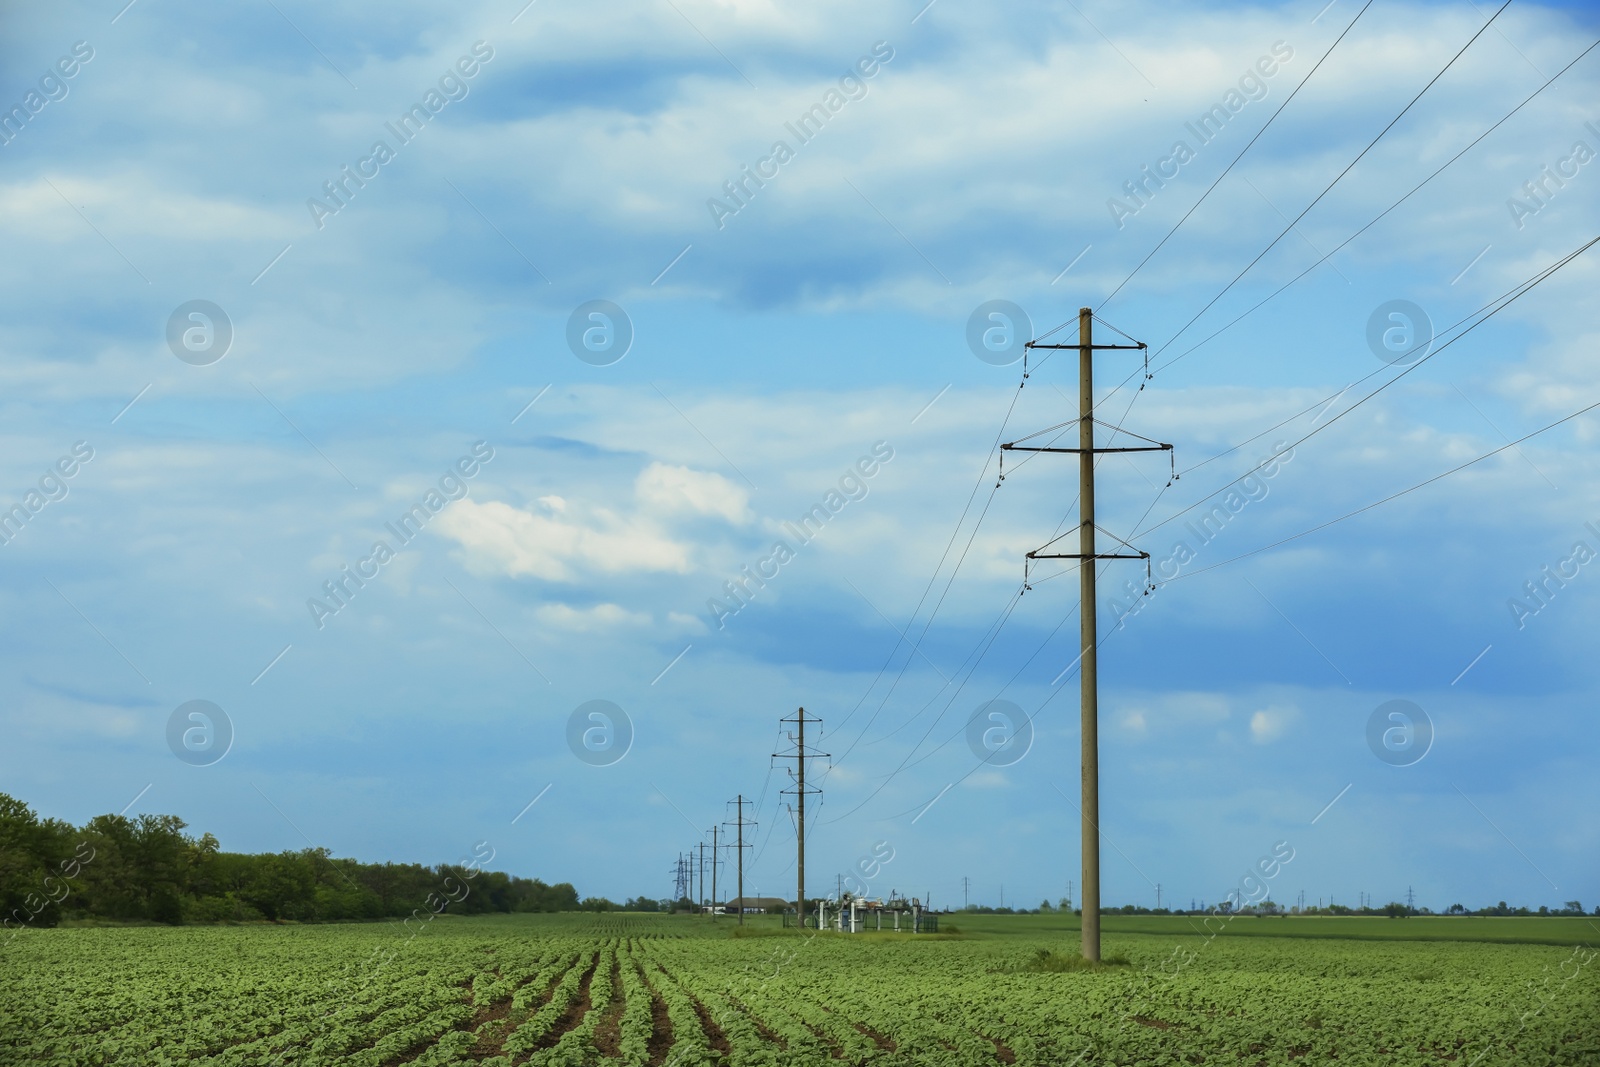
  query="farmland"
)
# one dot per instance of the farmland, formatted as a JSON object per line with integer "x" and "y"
{"x": 649, "y": 990}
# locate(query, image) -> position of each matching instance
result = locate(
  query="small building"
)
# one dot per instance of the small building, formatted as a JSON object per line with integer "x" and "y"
{"x": 757, "y": 906}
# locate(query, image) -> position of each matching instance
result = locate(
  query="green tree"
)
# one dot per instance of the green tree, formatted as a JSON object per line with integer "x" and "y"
{"x": 28, "y": 858}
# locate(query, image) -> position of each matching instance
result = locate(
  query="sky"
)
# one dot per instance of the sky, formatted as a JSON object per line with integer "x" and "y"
{"x": 399, "y": 381}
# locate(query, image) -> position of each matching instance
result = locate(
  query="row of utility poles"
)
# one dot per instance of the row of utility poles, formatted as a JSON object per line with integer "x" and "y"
{"x": 686, "y": 869}
{"x": 1087, "y": 556}
{"x": 690, "y": 870}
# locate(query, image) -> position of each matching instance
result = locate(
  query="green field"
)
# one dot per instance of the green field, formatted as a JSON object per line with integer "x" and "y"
{"x": 643, "y": 989}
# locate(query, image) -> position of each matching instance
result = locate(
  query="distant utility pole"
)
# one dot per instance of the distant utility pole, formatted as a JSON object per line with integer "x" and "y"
{"x": 1088, "y": 641}
{"x": 713, "y": 872}
{"x": 741, "y": 822}
{"x": 680, "y": 880}
{"x": 797, "y": 774}
{"x": 1411, "y": 900}
{"x": 702, "y": 893}
{"x": 965, "y": 884}
{"x": 1158, "y": 896}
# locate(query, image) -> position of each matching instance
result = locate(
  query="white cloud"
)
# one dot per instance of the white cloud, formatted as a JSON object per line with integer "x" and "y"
{"x": 588, "y": 620}
{"x": 1271, "y": 723}
{"x": 668, "y": 490}
{"x": 498, "y": 538}
{"x": 561, "y": 539}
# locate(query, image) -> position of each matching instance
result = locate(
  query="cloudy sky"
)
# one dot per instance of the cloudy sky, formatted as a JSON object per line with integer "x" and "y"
{"x": 401, "y": 379}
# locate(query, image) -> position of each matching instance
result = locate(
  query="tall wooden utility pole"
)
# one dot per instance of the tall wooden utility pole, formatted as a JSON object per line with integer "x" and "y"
{"x": 702, "y": 894}
{"x": 1088, "y": 628}
{"x": 713, "y": 872}
{"x": 1088, "y": 660}
{"x": 800, "y": 755}
{"x": 740, "y": 822}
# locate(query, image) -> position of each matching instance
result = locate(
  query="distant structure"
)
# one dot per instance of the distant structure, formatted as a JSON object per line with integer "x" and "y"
{"x": 757, "y": 906}
{"x": 854, "y": 915}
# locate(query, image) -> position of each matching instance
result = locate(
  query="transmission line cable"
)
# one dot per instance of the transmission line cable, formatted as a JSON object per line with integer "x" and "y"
{"x": 993, "y": 448}
{"x": 1392, "y": 496}
{"x": 1415, "y": 189}
{"x": 1273, "y": 244}
{"x": 1482, "y": 315}
{"x": 1238, "y": 157}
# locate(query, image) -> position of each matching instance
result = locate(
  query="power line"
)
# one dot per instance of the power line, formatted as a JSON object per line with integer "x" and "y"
{"x": 990, "y": 638}
{"x": 1336, "y": 179}
{"x": 1238, "y": 157}
{"x": 986, "y": 643}
{"x": 1392, "y": 496}
{"x": 1381, "y": 215}
{"x": 981, "y": 651}
{"x": 1372, "y": 222}
{"x": 1482, "y": 315}
{"x": 976, "y": 485}
{"x": 966, "y": 549}
{"x": 1170, "y": 341}
{"x": 1331, "y": 253}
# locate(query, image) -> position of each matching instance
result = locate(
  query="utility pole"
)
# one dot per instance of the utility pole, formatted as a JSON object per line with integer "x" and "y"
{"x": 1088, "y": 642}
{"x": 1158, "y": 896}
{"x": 702, "y": 893}
{"x": 965, "y": 883}
{"x": 838, "y": 887}
{"x": 1411, "y": 900}
{"x": 713, "y": 872}
{"x": 740, "y": 822}
{"x": 798, "y": 775}
{"x": 680, "y": 880}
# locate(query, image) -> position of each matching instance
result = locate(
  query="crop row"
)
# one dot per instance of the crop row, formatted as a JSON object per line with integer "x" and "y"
{"x": 504, "y": 994}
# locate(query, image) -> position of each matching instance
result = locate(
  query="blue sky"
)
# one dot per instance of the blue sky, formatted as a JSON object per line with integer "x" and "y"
{"x": 777, "y": 342}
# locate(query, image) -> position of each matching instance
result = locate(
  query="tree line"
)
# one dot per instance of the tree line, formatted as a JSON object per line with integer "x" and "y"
{"x": 147, "y": 868}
